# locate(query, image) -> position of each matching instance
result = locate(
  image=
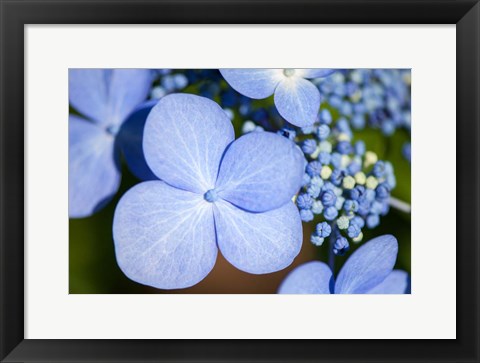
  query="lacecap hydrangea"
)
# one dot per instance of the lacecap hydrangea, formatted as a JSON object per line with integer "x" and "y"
{"x": 214, "y": 193}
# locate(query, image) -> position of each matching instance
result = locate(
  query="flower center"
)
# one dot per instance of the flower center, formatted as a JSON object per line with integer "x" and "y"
{"x": 210, "y": 196}
{"x": 113, "y": 129}
{"x": 288, "y": 72}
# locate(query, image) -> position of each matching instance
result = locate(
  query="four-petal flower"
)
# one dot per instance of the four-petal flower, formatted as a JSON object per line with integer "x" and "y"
{"x": 369, "y": 270}
{"x": 215, "y": 193}
{"x": 296, "y": 98}
{"x": 105, "y": 98}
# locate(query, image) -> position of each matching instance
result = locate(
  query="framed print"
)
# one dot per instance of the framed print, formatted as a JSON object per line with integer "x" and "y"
{"x": 239, "y": 181}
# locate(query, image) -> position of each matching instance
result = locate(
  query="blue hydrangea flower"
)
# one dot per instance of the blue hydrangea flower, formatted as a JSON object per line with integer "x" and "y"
{"x": 215, "y": 193}
{"x": 296, "y": 98}
{"x": 369, "y": 270}
{"x": 105, "y": 98}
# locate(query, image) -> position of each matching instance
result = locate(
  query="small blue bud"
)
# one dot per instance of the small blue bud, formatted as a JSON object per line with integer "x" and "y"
{"x": 325, "y": 117}
{"x": 323, "y": 132}
{"x": 317, "y": 207}
{"x": 330, "y": 213}
{"x": 382, "y": 191}
{"x": 341, "y": 246}
{"x": 324, "y": 158}
{"x": 357, "y": 192}
{"x": 359, "y": 108}
{"x": 372, "y": 220}
{"x": 158, "y": 92}
{"x": 314, "y": 168}
{"x": 353, "y": 231}
{"x": 336, "y": 160}
{"x": 335, "y": 101}
{"x": 379, "y": 169}
{"x": 314, "y": 190}
{"x": 168, "y": 83}
{"x": 309, "y": 146}
{"x": 343, "y": 126}
{"x": 376, "y": 207}
{"x": 307, "y": 130}
{"x": 369, "y": 195}
{"x": 386, "y": 208}
{"x": 317, "y": 181}
{"x": 316, "y": 240}
{"x": 358, "y": 121}
{"x": 306, "y": 215}
{"x": 363, "y": 207}
{"x": 350, "y": 206}
{"x": 339, "y": 202}
{"x": 407, "y": 151}
{"x": 357, "y": 221}
{"x": 359, "y": 148}
{"x": 328, "y": 186}
{"x": 337, "y": 177}
{"x": 344, "y": 148}
{"x": 304, "y": 201}
{"x": 323, "y": 229}
{"x": 388, "y": 127}
{"x": 346, "y": 109}
{"x": 328, "y": 198}
{"x": 306, "y": 179}
{"x": 351, "y": 88}
{"x": 180, "y": 80}
{"x": 354, "y": 168}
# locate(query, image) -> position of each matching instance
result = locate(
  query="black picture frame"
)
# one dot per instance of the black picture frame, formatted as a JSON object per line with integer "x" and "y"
{"x": 15, "y": 14}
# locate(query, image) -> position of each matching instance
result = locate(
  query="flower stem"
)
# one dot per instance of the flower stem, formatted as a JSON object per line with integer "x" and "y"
{"x": 331, "y": 255}
{"x": 400, "y": 205}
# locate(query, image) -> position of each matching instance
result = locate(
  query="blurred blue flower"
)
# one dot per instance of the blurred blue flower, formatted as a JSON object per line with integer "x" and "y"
{"x": 379, "y": 98}
{"x": 296, "y": 98}
{"x": 369, "y": 270}
{"x": 215, "y": 193}
{"x": 341, "y": 246}
{"x": 106, "y": 99}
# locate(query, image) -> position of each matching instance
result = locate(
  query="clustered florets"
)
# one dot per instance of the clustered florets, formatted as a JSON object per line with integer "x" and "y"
{"x": 379, "y": 98}
{"x": 343, "y": 183}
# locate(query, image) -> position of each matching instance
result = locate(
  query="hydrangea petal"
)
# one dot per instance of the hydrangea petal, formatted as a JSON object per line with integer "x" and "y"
{"x": 316, "y": 72}
{"x": 88, "y": 92}
{"x": 164, "y": 237}
{"x": 108, "y": 96}
{"x": 398, "y": 282}
{"x": 298, "y": 101}
{"x": 130, "y": 139}
{"x": 258, "y": 243}
{"x": 93, "y": 173}
{"x": 260, "y": 171}
{"x": 128, "y": 88}
{"x": 255, "y": 83}
{"x": 185, "y": 137}
{"x": 368, "y": 266}
{"x": 310, "y": 278}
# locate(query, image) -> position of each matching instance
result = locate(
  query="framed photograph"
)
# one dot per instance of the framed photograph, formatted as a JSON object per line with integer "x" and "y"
{"x": 239, "y": 181}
